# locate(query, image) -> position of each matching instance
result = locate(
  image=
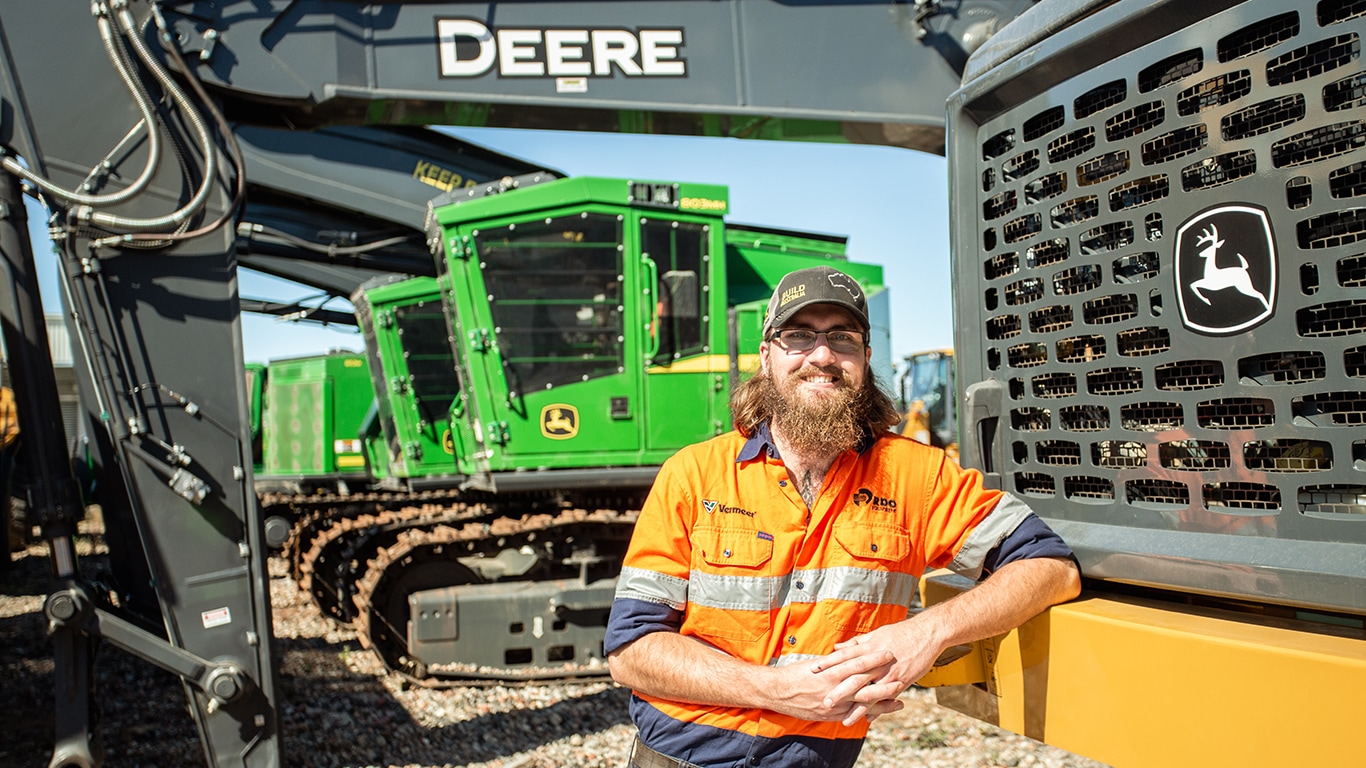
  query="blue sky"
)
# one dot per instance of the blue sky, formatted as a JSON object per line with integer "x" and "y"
{"x": 891, "y": 203}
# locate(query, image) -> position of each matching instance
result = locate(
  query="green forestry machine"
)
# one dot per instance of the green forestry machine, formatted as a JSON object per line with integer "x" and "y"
{"x": 580, "y": 331}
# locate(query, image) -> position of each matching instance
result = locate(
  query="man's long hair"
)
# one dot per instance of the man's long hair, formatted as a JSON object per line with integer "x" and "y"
{"x": 750, "y": 404}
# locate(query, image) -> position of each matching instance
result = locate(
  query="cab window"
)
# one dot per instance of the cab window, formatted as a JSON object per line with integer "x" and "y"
{"x": 679, "y": 251}
{"x": 554, "y": 289}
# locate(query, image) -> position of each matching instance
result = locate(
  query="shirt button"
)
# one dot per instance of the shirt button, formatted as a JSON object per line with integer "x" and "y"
{"x": 801, "y": 585}
{"x": 726, "y": 553}
{"x": 754, "y": 761}
{"x": 792, "y": 640}
{"x": 782, "y": 484}
{"x": 874, "y": 549}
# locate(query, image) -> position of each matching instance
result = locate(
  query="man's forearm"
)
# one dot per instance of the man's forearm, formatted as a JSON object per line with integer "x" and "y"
{"x": 1005, "y": 600}
{"x": 679, "y": 668}
{"x": 670, "y": 666}
{"x": 1008, "y": 598}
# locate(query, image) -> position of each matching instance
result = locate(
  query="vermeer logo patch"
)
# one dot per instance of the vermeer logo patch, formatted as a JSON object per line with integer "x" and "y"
{"x": 1226, "y": 270}
{"x": 715, "y": 506}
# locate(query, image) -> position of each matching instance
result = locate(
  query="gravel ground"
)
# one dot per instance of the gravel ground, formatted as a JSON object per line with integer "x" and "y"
{"x": 340, "y": 710}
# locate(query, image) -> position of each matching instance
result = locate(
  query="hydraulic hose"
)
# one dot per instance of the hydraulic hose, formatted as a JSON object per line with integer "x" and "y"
{"x": 128, "y": 25}
{"x": 118, "y": 56}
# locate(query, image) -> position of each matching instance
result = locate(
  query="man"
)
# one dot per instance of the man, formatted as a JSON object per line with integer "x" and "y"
{"x": 761, "y": 616}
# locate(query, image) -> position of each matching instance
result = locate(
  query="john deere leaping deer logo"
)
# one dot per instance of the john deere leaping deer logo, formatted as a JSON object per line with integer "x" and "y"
{"x": 559, "y": 421}
{"x": 1226, "y": 270}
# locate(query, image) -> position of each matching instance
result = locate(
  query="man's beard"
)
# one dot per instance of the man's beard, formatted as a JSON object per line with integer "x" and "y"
{"x": 823, "y": 425}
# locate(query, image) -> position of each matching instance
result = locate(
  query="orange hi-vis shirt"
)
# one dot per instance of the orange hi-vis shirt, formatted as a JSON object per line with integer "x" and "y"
{"x": 726, "y": 539}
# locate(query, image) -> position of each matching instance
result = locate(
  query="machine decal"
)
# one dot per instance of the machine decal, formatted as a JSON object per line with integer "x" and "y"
{"x": 216, "y": 618}
{"x": 442, "y": 178}
{"x": 1226, "y": 270}
{"x": 467, "y": 48}
{"x": 702, "y": 204}
{"x": 559, "y": 421}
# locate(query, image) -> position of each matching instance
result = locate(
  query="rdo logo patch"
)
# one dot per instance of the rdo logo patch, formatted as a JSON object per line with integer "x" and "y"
{"x": 1226, "y": 270}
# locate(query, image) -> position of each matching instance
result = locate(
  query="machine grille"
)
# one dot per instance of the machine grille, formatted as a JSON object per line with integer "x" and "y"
{"x": 1113, "y": 405}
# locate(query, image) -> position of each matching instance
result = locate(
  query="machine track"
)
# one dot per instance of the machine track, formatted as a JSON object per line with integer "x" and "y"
{"x": 360, "y": 556}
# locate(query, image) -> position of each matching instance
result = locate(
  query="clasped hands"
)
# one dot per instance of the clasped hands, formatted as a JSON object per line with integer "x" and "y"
{"x": 864, "y": 676}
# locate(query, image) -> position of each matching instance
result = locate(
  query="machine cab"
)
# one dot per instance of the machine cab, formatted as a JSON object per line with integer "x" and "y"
{"x": 582, "y": 321}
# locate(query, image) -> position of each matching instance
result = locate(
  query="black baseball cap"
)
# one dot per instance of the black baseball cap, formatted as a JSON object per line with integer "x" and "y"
{"x": 815, "y": 285}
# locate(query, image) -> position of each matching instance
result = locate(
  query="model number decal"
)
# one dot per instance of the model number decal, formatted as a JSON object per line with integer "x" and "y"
{"x": 470, "y": 49}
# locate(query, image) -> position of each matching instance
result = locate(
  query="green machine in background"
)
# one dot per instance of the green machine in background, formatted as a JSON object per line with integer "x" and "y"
{"x": 309, "y": 417}
{"x": 578, "y": 332}
{"x": 414, "y": 380}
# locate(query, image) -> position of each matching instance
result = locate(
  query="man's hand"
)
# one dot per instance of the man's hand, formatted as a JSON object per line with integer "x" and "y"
{"x": 913, "y": 655}
{"x": 827, "y": 690}
{"x": 700, "y": 674}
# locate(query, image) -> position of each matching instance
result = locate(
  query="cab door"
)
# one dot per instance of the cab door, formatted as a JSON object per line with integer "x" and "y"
{"x": 549, "y": 341}
{"x": 685, "y": 378}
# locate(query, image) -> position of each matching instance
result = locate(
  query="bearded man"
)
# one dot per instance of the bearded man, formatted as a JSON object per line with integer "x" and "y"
{"x": 761, "y": 617}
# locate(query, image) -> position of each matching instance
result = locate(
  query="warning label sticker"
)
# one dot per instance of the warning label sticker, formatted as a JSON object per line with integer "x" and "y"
{"x": 216, "y": 618}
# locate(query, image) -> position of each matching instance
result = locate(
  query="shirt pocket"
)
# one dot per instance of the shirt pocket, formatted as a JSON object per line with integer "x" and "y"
{"x": 874, "y": 545}
{"x": 731, "y": 592}
{"x": 874, "y": 585}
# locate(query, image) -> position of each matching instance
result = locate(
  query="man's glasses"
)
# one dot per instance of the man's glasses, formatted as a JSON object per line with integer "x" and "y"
{"x": 804, "y": 340}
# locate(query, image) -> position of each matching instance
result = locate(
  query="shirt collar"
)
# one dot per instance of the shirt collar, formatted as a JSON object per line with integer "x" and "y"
{"x": 762, "y": 440}
{"x": 757, "y": 443}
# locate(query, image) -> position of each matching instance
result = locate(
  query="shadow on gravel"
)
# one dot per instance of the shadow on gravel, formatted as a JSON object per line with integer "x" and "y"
{"x": 143, "y": 717}
{"x": 334, "y": 716}
{"x": 498, "y": 735}
{"x": 330, "y": 715}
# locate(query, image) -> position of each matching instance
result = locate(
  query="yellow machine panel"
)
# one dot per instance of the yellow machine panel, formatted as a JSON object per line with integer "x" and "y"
{"x": 1140, "y": 682}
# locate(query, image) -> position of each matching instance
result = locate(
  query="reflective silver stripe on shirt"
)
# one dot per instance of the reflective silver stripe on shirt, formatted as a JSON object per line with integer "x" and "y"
{"x": 652, "y": 587}
{"x": 736, "y": 593}
{"x": 854, "y": 584}
{"x": 763, "y": 593}
{"x": 994, "y": 528}
{"x": 787, "y": 660}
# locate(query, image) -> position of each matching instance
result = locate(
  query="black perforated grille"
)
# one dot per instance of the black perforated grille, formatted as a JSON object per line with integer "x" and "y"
{"x": 1112, "y": 402}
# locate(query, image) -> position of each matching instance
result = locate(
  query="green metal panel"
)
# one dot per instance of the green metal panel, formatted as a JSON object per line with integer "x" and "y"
{"x": 462, "y": 207}
{"x": 550, "y": 339}
{"x": 256, "y": 379}
{"x": 416, "y": 377}
{"x": 312, "y": 415}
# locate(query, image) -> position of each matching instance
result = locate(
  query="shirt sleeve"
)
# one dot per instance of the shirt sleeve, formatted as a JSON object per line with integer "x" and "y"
{"x": 974, "y": 530}
{"x": 632, "y": 619}
{"x": 652, "y": 591}
{"x": 1031, "y": 538}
